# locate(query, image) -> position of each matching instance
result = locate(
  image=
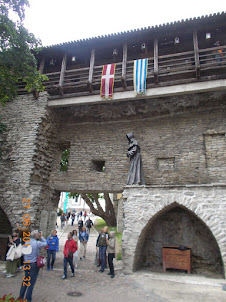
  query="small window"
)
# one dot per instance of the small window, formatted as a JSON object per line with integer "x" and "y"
{"x": 64, "y": 159}
{"x": 98, "y": 165}
{"x": 166, "y": 163}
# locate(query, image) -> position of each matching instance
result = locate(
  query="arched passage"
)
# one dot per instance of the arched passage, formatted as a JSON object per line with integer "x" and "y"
{"x": 175, "y": 225}
{"x": 5, "y": 230}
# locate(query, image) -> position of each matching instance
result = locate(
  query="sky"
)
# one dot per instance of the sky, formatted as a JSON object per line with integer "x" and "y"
{"x": 58, "y": 21}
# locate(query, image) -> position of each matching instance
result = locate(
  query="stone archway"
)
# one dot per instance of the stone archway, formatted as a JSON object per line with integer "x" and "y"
{"x": 142, "y": 204}
{"x": 175, "y": 225}
{"x": 5, "y": 230}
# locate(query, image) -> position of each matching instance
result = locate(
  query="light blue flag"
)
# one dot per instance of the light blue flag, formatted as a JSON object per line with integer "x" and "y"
{"x": 140, "y": 75}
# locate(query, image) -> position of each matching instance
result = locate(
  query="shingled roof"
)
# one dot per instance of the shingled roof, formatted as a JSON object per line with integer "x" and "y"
{"x": 157, "y": 28}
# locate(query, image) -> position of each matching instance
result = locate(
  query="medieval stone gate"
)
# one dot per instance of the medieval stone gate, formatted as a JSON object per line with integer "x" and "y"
{"x": 183, "y": 145}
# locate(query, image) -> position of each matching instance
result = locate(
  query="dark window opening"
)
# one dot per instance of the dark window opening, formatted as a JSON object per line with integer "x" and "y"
{"x": 64, "y": 159}
{"x": 98, "y": 165}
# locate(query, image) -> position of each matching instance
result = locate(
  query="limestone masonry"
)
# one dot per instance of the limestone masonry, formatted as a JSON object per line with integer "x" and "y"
{"x": 183, "y": 147}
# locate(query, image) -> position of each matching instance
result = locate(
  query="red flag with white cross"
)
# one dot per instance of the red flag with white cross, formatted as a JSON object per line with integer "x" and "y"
{"x": 107, "y": 81}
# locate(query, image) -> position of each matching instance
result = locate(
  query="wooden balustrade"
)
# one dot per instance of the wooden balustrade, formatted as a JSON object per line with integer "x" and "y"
{"x": 162, "y": 70}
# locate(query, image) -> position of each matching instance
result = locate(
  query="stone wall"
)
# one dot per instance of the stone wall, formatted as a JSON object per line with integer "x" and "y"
{"x": 28, "y": 146}
{"x": 192, "y": 215}
{"x": 182, "y": 141}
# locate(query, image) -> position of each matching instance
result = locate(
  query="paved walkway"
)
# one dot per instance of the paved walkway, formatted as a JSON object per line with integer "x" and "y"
{"x": 98, "y": 287}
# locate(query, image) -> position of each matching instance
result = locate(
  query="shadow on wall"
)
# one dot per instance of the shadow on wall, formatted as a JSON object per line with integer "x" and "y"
{"x": 178, "y": 226}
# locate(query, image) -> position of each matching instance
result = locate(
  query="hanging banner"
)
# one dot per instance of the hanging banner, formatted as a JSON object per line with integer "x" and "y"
{"x": 140, "y": 75}
{"x": 107, "y": 81}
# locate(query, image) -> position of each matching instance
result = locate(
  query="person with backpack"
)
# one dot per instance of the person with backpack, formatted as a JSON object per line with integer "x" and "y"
{"x": 88, "y": 224}
{"x": 83, "y": 238}
{"x": 97, "y": 249}
{"x": 80, "y": 224}
{"x": 102, "y": 244}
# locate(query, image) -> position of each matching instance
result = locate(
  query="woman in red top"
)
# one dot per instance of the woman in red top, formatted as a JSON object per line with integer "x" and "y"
{"x": 69, "y": 249}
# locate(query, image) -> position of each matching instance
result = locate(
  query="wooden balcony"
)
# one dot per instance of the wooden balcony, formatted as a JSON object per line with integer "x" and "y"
{"x": 172, "y": 69}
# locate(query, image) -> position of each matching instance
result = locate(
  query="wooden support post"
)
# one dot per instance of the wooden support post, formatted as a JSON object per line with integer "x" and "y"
{"x": 62, "y": 73}
{"x": 156, "y": 63}
{"x": 124, "y": 62}
{"x": 91, "y": 67}
{"x": 42, "y": 65}
{"x": 196, "y": 53}
{"x": 41, "y": 69}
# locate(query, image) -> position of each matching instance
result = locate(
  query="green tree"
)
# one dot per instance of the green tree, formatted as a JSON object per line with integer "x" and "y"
{"x": 64, "y": 160}
{"x": 17, "y": 52}
{"x": 92, "y": 200}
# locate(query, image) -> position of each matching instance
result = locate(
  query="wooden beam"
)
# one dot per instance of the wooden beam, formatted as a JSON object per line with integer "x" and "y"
{"x": 156, "y": 63}
{"x": 62, "y": 72}
{"x": 42, "y": 65}
{"x": 124, "y": 62}
{"x": 91, "y": 67}
{"x": 196, "y": 53}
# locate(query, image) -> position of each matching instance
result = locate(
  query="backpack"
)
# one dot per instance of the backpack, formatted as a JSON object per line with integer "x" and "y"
{"x": 102, "y": 240}
{"x": 88, "y": 223}
{"x": 80, "y": 224}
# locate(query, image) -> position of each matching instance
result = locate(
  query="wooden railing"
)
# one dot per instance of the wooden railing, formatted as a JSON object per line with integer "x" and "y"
{"x": 167, "y": 70}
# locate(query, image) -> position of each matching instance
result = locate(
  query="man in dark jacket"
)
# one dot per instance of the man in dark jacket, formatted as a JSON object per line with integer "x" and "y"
{"x": 89, "y": 224}
{"x": 80, "y": 224}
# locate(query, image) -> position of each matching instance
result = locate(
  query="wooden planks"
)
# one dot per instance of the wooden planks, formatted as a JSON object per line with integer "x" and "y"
{"x": 91, "y": 68}
{"x": 156, "y": 64}
{"x": 62, "y": 73}
{"x": 196, "y": 53}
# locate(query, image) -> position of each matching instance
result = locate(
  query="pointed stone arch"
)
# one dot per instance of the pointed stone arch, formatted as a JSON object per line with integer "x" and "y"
{"x": 5, "y": 224}
{"x": 142, "y": 205}
{"x": 176, "y": 225}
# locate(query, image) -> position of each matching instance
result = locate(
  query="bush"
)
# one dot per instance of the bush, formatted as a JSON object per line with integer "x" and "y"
{"x": 59, "y": 213}
{"x": 10, "y": 298}
{"x": 119, "y": 256}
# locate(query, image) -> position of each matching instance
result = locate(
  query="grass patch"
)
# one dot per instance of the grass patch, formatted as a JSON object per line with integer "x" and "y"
{"x": 99, "y": 224}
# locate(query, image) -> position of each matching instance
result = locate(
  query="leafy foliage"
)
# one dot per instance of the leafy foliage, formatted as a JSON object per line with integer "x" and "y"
{"x": 92, "y": 200}
{"x": 64, "y": 160}
{"x": 89, "y": 195}
{"x": 17, "y": 52}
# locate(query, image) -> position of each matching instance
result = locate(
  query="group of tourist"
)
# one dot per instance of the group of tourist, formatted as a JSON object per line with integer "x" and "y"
{"x": 66, "y": 216}
{"x": 105, "y": 243}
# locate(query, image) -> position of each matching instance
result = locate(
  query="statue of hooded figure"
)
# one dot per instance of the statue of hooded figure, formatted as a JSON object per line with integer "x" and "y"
{"x": 135, "y": 175}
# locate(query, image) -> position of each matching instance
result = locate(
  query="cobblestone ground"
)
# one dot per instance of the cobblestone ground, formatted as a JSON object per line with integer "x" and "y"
{"x": 96, "y": 286}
